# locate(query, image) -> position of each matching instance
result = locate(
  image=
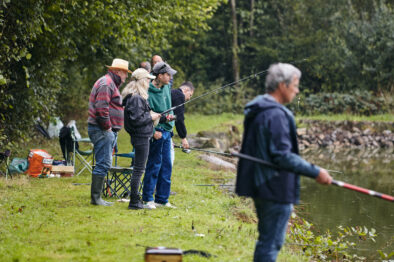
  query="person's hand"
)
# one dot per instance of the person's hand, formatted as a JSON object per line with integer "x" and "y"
{"x": 185, "y": 143}
{"x": 157, "y": 135}
{"x": 154, "y": 116}
{"x": 324, "y": 177}
{"x": 170, "y": 118}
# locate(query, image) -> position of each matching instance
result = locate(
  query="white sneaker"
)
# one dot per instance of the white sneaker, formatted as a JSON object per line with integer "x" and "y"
{"x": 168, "y": 205}
{"x": 149, "y": 205}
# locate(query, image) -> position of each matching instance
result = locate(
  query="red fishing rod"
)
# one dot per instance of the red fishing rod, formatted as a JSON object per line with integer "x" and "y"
{"x": 269, "y": 164}
{"x": 363, "y": 190}
{"x": 334, "y": 182}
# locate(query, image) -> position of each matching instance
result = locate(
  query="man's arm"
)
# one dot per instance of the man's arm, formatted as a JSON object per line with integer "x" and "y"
{"x": 280, "y": 147}
{"x": 178, "y": 98}
{"x": 101, "y": 104}
{"x": 181, "y": 128}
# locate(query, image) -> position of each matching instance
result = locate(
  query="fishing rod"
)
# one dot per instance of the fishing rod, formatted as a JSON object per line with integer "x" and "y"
{"x": 333, "y": 182}
{"x": 217, "y": 90}
{"x": 188, "y": 150}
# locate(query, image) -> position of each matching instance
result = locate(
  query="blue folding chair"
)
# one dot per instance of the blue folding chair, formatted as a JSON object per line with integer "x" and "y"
{"x": 118, "y": 178}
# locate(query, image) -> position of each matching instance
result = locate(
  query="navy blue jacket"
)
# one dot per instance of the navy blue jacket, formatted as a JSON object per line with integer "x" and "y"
{"x": 177, "y": 98}
{"x": 270, "y": 134}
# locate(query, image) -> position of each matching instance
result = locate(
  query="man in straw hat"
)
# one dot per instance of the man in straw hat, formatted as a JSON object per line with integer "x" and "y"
{"x": 105, "y": 120}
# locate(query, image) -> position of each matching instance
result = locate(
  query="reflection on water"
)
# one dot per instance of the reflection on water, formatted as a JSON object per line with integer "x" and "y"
{"x": 329, "y": 206}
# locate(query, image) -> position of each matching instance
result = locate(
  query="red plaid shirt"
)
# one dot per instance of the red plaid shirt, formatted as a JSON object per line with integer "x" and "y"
{"x": 105, "y": 105}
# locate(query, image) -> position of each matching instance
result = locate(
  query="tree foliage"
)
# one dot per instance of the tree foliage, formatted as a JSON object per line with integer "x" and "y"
{"x": 51, "y": 52}
{"x": 339, "y": 45}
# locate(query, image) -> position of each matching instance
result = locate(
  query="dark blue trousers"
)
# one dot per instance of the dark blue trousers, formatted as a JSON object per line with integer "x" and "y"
{"x": 158, "y": 170}
{"x": 272, "y": 225}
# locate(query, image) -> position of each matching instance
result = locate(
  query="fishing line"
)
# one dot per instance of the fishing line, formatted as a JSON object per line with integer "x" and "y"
{"x": 217, "y": 90}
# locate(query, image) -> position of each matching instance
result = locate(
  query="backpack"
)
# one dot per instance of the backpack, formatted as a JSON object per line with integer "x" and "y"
{"x": 40, "y": 163}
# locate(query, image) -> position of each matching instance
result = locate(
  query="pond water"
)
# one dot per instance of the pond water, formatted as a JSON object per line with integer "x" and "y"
{"x": 328, "y": 207}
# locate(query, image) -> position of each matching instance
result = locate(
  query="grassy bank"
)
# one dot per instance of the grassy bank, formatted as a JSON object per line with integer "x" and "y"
{"x": 51, "y": 219}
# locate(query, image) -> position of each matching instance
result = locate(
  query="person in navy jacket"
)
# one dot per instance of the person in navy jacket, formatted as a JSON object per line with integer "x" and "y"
{"x": 178, "y": 97}
{"x": 270, "y": 134}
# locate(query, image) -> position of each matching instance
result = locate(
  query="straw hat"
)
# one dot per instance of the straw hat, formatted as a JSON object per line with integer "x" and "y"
{"x": 141, "y": 73}
{"x": 120, "y": 64}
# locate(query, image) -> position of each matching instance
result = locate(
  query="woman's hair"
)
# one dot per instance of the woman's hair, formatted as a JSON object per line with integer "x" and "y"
{"x": 139, "y": 87}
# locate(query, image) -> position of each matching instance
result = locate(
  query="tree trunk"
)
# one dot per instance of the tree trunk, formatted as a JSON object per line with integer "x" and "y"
{"x": 251, "y": 17}
{"x": 235, "y": 41}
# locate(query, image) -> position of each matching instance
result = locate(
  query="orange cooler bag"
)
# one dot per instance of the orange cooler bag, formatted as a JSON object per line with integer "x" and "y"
{"x": 40, "y": 162}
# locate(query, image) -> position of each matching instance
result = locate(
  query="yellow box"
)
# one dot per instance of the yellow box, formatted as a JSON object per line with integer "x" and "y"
{"x": 63, "y": 170}
{"x": 162, "y": 254}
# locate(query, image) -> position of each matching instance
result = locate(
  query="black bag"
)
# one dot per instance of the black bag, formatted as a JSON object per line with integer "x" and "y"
{"x": 66, "y": 141}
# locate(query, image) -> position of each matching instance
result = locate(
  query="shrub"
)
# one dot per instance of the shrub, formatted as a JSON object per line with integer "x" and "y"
{"x": 358, "y": 102}
{"x": 327, "y": 247}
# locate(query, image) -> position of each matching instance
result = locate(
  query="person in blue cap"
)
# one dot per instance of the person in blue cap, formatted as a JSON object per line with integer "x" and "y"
{"x": 159, "y": 167}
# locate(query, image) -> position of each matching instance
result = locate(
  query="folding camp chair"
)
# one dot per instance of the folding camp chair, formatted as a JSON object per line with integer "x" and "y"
{"x": 118, "y": 178}
{"x": 81, "y": 154}
{"x": 72, "y": 151}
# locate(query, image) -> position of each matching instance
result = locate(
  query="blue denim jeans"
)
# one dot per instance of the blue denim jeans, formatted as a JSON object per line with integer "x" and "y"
{"x": 272, "y": 225}
{"x": 158, "y": 170}
{"x": 104, "y": 142}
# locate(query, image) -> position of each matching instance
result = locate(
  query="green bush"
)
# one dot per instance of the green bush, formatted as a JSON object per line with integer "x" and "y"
{"x": 357, "y": 102}
{"x": 328, "y": 246}
{"x": 230, "y": 99}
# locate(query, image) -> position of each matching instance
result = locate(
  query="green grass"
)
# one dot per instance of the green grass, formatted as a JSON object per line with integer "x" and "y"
{"x": 52, "y": 220}
{"x": 197, "y": 122}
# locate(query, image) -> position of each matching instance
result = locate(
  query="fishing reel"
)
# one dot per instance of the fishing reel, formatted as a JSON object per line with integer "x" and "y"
{"x": 184, "y": 150}
{"x": 170, "y": 118}
{"x": 187, "y": 151}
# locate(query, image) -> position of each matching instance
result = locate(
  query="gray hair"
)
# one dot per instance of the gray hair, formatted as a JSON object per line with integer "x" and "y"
{"x": 187, "y": 84}
{"x": 280, "y": 73}
{"x": 146, "y": 65}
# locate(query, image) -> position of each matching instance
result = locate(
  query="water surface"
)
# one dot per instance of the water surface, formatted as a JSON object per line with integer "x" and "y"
{"x": 327, "y": 207}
